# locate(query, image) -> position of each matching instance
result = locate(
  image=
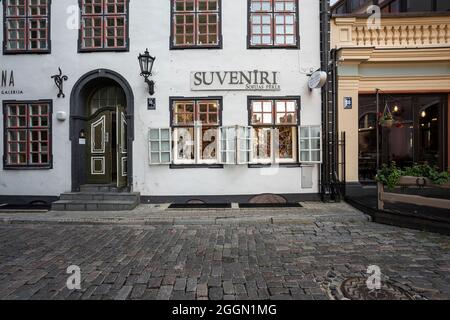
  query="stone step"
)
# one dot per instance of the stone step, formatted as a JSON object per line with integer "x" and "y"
{"x": 101, "y": 188}
{"x": 94, "y": 205}
{"x": 120, "y": 196}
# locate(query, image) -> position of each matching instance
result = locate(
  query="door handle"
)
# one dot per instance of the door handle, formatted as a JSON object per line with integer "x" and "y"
{"x": 106, "y": 137}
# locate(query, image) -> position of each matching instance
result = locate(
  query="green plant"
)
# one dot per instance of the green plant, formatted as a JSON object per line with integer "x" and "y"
{"x": 390, "y": 175}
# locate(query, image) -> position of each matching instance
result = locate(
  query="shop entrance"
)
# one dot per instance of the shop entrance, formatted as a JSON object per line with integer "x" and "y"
{"x": 418, "y": 134}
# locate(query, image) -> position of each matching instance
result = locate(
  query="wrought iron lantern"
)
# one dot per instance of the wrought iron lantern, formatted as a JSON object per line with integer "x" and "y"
{"x": 146, "y": 63}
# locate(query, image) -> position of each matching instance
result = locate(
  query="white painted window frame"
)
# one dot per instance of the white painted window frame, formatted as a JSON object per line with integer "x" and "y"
{"x": 309, "y": 139}
{"x": 276, "y": 137}
{"x": 159, "y": 141}
{"x": 224, "y": 143}
{"x": 175, "y": 134}
{"x": 244, "y": 134}
{"x": 197, "y": 141}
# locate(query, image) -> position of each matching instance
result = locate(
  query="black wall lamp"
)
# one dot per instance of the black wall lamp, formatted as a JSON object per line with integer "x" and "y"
{"x": 146, "y": 63}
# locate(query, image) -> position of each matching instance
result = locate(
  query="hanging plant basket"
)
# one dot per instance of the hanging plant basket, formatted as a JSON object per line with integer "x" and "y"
{"x": 387, "y": 123}
{"x": 387, "y": 119}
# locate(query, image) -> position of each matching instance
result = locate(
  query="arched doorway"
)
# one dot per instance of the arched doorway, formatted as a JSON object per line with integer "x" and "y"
{"x": 101, "y": 130}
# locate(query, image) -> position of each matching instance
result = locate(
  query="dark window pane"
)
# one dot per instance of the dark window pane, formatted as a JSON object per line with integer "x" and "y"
{"x": 443, "y": 5}
{"x": 419, "y": 5}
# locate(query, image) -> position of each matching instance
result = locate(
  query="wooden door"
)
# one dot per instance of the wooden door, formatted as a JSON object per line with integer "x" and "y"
{"x": 121, "y": 148}
{"x": 99, "y": 147}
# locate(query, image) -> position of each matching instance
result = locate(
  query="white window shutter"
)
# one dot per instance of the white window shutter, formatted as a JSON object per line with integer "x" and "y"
{"x": 160, "y": 146}
{"x": 244, "y": 145}
{"x": 310, "y": 144}
{"x": 228, "y": 145}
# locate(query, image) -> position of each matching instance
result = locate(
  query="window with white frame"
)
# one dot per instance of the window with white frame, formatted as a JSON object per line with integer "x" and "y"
{"x": 274, "y": 130}
{"x": 160, "y": 146}
{"x": 235, "y": 144}
{"x": 197, "y": 137}
{"x": 195, "y": 124}
{"x": 311, "y": 144}
{"x": 228, "y": 139}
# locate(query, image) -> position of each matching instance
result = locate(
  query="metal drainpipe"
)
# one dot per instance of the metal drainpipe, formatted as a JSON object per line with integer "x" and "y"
{"x": 330, "y": 184}
{"x": 326, "y": 172}
{"x": 334, "y": 105}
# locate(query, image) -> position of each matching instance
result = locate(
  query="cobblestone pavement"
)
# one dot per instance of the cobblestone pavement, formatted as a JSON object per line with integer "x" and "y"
{"x": 236, "y": 260}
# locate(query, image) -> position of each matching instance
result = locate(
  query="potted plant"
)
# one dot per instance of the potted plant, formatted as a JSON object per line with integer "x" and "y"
{"x": 389, "y": 176}
{"x": 422, "y": 175}
{"x": 387, "y": 119}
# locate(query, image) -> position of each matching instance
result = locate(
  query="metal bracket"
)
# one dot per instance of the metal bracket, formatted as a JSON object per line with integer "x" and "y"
{"x": 59, "y": 81}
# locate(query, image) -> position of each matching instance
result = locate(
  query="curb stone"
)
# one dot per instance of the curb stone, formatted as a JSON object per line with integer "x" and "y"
{"x": 175, "y": 221}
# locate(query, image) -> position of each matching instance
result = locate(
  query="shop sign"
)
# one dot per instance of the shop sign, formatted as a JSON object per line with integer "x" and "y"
{"x": 317, "y": 80}
{"x": 7, "y": 83}
{"x": 255, "y": 80}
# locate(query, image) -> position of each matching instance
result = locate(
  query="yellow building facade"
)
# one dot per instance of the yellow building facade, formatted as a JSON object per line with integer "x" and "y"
{"x": 406, "y": 57}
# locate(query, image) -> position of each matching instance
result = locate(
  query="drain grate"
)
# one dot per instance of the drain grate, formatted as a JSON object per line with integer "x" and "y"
{"x": 270, "y": 205}
{"x": 200, "y": 206}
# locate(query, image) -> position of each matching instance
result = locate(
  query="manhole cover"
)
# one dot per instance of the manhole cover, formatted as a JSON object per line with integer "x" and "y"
{"x": 356, "y": 289}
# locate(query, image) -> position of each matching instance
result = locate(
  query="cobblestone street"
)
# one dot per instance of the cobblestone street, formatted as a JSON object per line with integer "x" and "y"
{"x": 230, "y": 260}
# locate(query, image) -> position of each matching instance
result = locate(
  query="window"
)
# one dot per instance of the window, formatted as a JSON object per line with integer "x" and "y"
{"x": 419, "y": 5}
{"x": 104, "y": 25}
{"x": 397, "y": 6}
{"x": 275, "y": 125}
{"x": 26, "y": 26}
{"x": 27, "y": 134}
{"x": 228, "y": 144}
{"x": 311, "y": 144}
{"x": 392, "y": 7}
{"x": 160, "y": 141}
{"x": 442, "y": 5}
{"x": 106, "y": 97}
{"x": 273, "y": 23}
{"x": 417, "y": 136}
{"x": 196, "y": 125}
{"x": 196, "y": 24}
{"x": 235, "y": 144}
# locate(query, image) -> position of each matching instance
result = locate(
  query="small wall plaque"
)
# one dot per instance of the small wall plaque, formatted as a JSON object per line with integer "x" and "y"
{"x": 348, "y": 103}
{"x": 151, "y": 104}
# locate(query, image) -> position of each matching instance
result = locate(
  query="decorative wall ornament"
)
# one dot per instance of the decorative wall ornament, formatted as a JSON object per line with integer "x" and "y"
{"x": 59, "y": 81}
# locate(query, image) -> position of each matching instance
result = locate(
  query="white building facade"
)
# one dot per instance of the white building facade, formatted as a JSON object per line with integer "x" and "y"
{"x": 231, "y": 117}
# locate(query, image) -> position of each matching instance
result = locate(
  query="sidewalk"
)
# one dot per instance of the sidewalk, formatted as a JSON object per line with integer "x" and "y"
{"x": 150, "y": 214}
